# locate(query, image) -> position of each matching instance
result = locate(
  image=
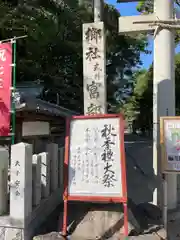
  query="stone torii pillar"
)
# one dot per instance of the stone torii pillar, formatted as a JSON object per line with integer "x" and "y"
{"x": 162, "y": 22}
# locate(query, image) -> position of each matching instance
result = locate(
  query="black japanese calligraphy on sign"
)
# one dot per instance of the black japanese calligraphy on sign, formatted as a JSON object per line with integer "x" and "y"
{"x": 95, "y": 156}
{"x": 109, "y": 175}
{"x": 94, "y": 109}
{"x": 96, "y": 133}
{"x": 107, "y": 156}
{"x": 17, "y": 164}
{"x": 93, "y": 90}
{"x": 97, "y": 70}
{"x": 74, "y": 163}
{"x": 92, "y": 53}
{"x": 17, "y": 182}
{"x": 87, "y": 135}
{"x": 17, "y": 193}
{"x": 76, "y": 160}
{"x": 107, "y": 131}
{"x": 87, "y": 154}
{"x": 97, "y": 67}
{"x": 18, "y": 236}
{"x": 93, "y": 34}
{"x": 79, "y": 155}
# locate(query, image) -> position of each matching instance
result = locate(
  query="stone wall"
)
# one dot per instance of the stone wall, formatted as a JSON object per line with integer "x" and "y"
{"x": 35, "y": 188}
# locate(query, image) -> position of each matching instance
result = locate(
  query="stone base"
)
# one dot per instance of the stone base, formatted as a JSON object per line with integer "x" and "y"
{"x": 57, "y": 236}
{"x": 106, "y": 221}
{"x": 96, "y": 221}
{"x": 50, "y": 236}
{"x": 10, "y": 229}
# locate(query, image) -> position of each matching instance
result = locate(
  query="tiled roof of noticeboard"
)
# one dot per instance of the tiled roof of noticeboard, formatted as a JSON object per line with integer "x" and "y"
{"x": 32, "y": 103}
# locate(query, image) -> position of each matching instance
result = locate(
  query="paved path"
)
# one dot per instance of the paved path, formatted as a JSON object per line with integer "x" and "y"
{"x": 139, "y": 167}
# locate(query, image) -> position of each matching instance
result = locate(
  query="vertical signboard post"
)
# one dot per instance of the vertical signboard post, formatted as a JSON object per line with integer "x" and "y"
{"x": 94, "y": 59}
{"x": 95, "y": 162}
{"x": 5, "y": 88}
{"x": 170, "y": 153}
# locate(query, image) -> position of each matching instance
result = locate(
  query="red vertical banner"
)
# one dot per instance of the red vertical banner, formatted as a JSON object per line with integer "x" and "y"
{"x": 5, "y": 87}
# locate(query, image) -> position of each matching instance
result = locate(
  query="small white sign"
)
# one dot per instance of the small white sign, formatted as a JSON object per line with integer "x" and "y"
{"x": 35, "y": 128}
{"x": 171, "y": 139}
{"x": 94, "y": 158}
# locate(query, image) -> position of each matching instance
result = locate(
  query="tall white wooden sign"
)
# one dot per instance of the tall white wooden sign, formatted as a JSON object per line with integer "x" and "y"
{"x": 94, "y": 61}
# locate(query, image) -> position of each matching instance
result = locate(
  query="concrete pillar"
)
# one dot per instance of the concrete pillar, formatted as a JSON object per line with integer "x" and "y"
{"x": 36, "y": 179}
{"x": 45, "y": 174}
{"x": 163, "y": 90}
{"x": 21, "y": 181}
{"x": 52, "y": 150}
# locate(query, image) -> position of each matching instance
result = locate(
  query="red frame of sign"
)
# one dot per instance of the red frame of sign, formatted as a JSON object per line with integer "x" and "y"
{"x": 100, "y": 199}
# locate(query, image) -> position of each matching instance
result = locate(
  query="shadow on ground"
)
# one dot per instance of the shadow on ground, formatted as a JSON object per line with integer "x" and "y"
{"x": 139, "y": 166}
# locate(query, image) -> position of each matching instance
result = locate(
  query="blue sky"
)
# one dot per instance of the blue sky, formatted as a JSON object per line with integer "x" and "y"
{"x": 128, "y": 9}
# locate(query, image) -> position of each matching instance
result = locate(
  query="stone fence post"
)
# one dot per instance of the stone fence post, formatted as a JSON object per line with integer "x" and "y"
{"x": 45, "y": 174}
{"x": 21, "y": 181}
{"x": 36, "y": 160}
{"x": 52, "y": 150}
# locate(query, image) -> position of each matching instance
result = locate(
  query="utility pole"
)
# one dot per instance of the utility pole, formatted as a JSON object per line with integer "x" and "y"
{"x": 163, "y": 24}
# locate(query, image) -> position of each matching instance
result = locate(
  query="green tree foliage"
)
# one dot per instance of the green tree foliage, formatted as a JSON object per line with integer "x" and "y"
{"x": 139, "y": 109}
{"x": 147, "y": 6}
{"x": 52, "y": 52}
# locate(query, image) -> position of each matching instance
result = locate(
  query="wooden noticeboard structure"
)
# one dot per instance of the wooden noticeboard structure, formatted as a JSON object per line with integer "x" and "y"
{"x": 170, "y": 154}
{"x": 95, "y": 162}
{"x": 170, "y": 144}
